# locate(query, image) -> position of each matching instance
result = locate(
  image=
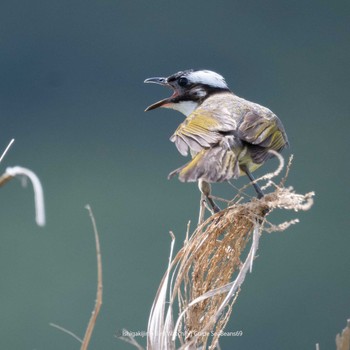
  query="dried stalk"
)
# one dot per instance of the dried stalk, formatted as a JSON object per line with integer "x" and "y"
{"x": 207, "y": 272}
{"x": 25, "y": 174}
{"x": 6, "y": 149}
{"x": 91, "y": 325}
{"x": 98, "y": 303}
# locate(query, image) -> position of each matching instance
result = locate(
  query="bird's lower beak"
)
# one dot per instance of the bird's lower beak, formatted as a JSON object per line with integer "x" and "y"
{"x": 161, "y": 103}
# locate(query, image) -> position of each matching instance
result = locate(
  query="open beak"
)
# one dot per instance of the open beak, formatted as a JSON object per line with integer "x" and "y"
{"x": 161, "y": 103}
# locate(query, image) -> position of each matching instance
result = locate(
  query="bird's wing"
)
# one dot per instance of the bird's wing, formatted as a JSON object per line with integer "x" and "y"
{"x": 201, "y": 129}
{"x": 262, "y": 133}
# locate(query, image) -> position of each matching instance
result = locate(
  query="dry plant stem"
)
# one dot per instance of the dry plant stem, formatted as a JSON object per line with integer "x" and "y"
{"x": 158, "y": 321}
{"x": 25, "y": 173}
{"x": 201, "y": 210}
{"x": 207, "y": 273}
{"x": 95, "y": 312}
{"x": 211, "y": 303}
{"x": 85, "y": 342}
{"x": 64, "y": 330}
{"x": 5, "y": 177}
{"x": 6, "y": 150}
{"x": 10, "y": 173}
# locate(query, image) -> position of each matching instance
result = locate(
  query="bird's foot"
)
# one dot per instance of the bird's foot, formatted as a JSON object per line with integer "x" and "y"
{"x": 213, "y": 205}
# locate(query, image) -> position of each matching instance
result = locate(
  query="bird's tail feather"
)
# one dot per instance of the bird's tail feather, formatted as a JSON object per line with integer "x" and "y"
{"x": 215, "y": 164}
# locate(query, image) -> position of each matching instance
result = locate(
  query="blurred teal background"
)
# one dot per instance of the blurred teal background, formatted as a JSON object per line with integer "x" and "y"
{"x": 72, "y": 95}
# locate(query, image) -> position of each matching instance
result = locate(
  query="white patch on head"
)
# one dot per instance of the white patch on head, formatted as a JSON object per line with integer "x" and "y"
{"x": 185, "y": 107}
{"x": 199, "y": 92}
{"x": 207, "y": 77}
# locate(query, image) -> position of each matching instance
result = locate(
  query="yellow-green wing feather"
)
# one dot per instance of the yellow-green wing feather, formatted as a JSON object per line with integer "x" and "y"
{"x": 199, "y": 130}
{"x": 262, "y": 133}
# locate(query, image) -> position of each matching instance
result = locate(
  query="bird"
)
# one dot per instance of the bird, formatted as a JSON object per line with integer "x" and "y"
{"x": 226, "y": 135}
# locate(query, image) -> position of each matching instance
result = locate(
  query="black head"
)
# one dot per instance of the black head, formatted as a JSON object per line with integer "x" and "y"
{"x": 190, "y": 88}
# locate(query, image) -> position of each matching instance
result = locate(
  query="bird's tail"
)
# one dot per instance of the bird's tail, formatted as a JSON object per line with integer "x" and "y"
{"x": 215, "y": 164}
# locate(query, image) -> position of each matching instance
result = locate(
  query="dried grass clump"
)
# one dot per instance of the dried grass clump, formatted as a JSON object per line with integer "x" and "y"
{"x": 203, "y": 280}
{"x": 342, "y": 339}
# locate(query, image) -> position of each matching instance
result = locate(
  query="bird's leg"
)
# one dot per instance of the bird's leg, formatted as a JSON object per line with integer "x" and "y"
{"x": 252, "y": 179}
{"x": 202, "y": 207}
{"x": 257, "y": 189}
{"x": 205, "y": 188}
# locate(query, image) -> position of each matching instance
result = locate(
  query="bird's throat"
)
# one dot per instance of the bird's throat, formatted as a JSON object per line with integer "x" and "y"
{"x": 185, "y": 107}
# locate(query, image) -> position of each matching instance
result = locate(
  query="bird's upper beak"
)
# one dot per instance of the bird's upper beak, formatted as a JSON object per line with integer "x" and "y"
{"x": 164, "y": 102}
{"x": 157, "y": 80}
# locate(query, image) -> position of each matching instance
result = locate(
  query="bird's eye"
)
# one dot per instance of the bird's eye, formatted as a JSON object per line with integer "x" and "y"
{"x": 183, "y": 81}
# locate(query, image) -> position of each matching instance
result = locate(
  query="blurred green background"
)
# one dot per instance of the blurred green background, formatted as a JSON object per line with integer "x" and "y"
{"x": 72, "y": 95}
